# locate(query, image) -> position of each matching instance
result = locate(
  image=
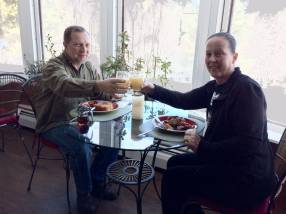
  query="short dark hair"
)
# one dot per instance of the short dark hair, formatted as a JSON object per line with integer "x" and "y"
{"x": 69, "y": 30}
{"x": 228, "y": 37}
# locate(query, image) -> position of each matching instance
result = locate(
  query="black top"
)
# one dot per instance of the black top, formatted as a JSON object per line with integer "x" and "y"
{"x": 236, "y": 135}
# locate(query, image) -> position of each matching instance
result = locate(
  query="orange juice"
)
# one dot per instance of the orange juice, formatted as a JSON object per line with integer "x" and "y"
{"x": 136, "y": 82}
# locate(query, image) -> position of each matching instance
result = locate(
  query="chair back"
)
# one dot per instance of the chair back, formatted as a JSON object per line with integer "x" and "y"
{"x": 10, "y": 93}
{"x": 280, "y": 166}
{"x": 32, "y": 88}
{"x": 8, "y": 78}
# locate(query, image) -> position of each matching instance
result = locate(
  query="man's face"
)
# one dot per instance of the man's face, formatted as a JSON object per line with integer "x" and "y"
{"x": 78, "y": 48}
{"x": 219, "y": 59}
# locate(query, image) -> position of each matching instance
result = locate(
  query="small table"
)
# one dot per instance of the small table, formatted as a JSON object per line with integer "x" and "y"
{"x": 121, "y": 132}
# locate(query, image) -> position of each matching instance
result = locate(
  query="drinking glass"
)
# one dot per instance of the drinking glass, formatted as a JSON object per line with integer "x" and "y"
{"x": 136, "y": 80}
{"x": 123, "y": 75}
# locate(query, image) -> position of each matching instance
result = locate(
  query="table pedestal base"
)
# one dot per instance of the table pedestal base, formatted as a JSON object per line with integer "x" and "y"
{"x": 132, "y": 172}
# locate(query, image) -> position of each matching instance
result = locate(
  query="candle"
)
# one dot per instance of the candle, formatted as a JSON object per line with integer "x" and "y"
{"x": 138, "y": 106}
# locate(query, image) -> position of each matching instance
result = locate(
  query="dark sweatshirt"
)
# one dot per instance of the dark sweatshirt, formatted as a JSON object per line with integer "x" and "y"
{"x": 236, "y": 136}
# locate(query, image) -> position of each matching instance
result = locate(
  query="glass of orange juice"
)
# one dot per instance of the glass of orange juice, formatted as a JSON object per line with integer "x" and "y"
{"x": 136, "y": 81}
{"x": 123, "y": 75}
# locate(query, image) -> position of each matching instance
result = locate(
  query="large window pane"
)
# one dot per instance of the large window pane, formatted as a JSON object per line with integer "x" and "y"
{"x": 57, "y": 15}
{"x": 166, "y": 29}
{"x": 10, "y": 42}
{"x": 260, "y": 28}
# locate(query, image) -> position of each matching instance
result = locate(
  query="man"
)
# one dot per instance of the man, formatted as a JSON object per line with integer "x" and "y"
{"x": 68, "y": 80}
{"x": 232, "y": 163}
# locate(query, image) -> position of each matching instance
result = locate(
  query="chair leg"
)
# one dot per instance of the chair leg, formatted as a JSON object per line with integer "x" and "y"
{"x": 33, "y": 172}
{"x": 24, "y": 144}
{"x": 34, "y": 165}
{"x": 3, "y": 143}
{"x": 67, "y": 183}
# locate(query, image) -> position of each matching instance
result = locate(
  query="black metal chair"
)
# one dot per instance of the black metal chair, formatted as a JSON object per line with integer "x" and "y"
{"x": 10, "y": 96}
{"x": 32, "y": 88}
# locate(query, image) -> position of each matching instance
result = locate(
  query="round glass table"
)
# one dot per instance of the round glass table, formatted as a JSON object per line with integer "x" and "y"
{"x": 118, "y": 130}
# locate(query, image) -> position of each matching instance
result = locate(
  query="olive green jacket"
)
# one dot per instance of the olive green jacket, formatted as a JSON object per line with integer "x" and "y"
{"x": 63, "y": 88}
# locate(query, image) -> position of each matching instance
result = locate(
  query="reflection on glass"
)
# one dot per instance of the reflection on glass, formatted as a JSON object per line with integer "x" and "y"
{"x": 166, "y": 29}
{"x": 57, "y": 15}
{"x": 263, "y": 58}
{"x": 10, "y": 40}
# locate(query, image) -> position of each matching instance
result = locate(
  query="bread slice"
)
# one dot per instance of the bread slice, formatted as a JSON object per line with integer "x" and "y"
{"x": 103, "y": 106}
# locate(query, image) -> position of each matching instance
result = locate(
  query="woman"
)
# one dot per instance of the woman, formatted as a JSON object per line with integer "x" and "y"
{"x": 232, "y": 163}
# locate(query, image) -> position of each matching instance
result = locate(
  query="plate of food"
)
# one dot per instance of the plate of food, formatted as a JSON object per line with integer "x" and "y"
{"x": 174, "y": 123}
{"x": 101, "y": 106}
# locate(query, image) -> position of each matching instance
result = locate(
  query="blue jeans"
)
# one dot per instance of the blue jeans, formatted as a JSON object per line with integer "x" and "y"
{"x": 86, "y": 171}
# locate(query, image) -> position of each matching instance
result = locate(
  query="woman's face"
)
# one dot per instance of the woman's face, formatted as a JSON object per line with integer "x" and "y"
{"x": 219, "y": 59}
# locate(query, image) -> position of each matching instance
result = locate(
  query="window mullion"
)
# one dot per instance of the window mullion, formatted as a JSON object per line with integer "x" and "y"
{"x": 209, "y": 22}
{"x": 30, "y": 40}
{"x": 108, "y": 28}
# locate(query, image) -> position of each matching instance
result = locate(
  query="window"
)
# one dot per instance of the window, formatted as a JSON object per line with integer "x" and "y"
{"x": 10, "y": 42}
{"x": 165, "y": 29}
{"x": 260, "y": 29}
{"x": 57, "y": 15}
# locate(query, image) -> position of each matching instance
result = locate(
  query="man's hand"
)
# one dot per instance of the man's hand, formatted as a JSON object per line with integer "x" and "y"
{"x": 192, "y": 140}
{"x": 112, "y": 86}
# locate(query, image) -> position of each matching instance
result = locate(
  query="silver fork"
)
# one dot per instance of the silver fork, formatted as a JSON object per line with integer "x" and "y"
{"x": 158, "y": 121}
{"x": 144, "y": 133}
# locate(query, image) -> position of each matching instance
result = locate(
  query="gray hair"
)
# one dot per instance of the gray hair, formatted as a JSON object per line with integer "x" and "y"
{"x": 228, "y": 37}
{"x": 69, "y": 30}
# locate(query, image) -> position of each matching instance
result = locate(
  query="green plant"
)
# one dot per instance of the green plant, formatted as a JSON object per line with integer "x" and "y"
{"x": 161, "y": 69}
{"x": 34, "y": 68}
{"x": 165, "y": 68}
{"x": 139, "y": 64}
{"x": 120, "y": 61}
{"x": 50, "y": 46}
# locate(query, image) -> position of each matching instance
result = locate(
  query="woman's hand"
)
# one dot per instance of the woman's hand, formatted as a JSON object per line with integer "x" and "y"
{"x": 192, "y": 140}
{"x": 147, "y": 87}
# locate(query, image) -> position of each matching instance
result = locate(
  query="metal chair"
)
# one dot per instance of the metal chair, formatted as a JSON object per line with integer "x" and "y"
{"x": 32, "y": 88}
{"x": 10, "y": 96}
{"x": 268, "y": 205}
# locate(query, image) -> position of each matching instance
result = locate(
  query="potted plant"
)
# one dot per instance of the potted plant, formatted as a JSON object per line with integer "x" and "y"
{"x": 118, "y": 62}
{"x": 34, "y": 68}
{"x": 121, "y": 62}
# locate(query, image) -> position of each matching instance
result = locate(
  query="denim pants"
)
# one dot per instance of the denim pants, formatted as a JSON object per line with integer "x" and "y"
{"x": 86, "y": 171}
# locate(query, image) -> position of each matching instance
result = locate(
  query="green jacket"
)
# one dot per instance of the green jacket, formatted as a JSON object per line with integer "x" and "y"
{"x": 63, "y": 88}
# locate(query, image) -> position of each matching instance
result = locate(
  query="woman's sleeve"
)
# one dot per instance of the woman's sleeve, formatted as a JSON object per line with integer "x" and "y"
{"x": 195, "y": 99}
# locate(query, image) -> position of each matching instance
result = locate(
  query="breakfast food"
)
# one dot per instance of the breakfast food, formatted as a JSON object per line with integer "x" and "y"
{"x": 101, "y": 105}
{"x": 177, "y": 123}
{"x": 104, "y": 106}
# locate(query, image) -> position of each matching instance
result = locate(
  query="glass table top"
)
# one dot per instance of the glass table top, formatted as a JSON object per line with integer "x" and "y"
{"x": 122, "y": 132}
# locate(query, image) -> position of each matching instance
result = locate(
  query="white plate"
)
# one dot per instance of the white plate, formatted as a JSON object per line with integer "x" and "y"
{"x": 116, "y": 105}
